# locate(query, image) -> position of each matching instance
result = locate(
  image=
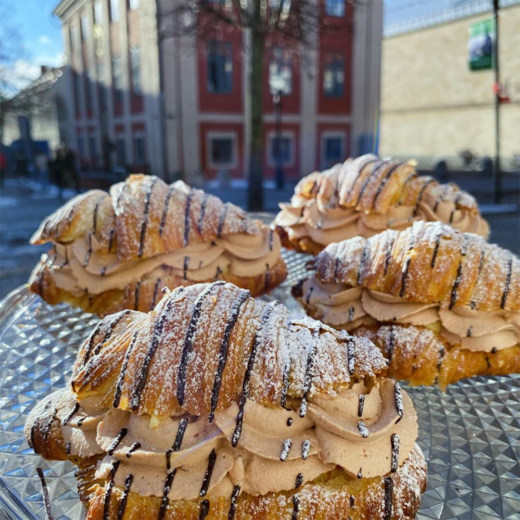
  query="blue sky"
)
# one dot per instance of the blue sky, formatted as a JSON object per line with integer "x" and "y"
{"x": 39, "y": 31}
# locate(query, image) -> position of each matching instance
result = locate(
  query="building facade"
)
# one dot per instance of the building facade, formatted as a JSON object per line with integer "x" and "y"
{"x": 433, "y": 105}
{"x": 179, "y": 106}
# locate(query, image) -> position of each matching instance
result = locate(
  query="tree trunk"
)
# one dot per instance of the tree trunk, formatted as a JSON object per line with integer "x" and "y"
{"x": 256, "y": 192}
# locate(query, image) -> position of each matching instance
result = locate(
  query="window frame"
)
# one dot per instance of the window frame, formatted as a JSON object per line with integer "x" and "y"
{"x": 84, "y": 24}
{"x": 271, "y": 159}
{"x": 136, "y": 52}
{"x": 332, "y": 134}
{"x": 219, "y": 44}
{"x": 332, "y": 13}
{"x": 214, "y": 135}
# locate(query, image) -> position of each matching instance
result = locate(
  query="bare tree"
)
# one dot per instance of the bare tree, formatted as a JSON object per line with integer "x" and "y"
{"x": 295, "y": 23}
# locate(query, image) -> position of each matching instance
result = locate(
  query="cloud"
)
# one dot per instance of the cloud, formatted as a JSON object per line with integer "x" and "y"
{"x": 45, "y": 40}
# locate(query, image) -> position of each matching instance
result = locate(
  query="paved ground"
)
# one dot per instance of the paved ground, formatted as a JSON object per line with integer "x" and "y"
{"x": 21, "y": 213}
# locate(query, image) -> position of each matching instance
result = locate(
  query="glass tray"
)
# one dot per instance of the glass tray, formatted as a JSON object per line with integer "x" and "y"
{"x": 470, "y": 435}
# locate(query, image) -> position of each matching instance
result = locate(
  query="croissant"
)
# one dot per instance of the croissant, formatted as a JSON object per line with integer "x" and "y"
{"x": 216, "y": 405}
{"x": 440, "y": 304}
{"x": 365, "y": 196}
{"x": 117, "y": 251}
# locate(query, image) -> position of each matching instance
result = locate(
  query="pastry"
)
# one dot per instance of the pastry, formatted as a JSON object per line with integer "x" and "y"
{"x": 365, "y": 196}
{"x": 216, "y": 405}
{"x": 117, "y": 251}
{"x": 440, "y": 304}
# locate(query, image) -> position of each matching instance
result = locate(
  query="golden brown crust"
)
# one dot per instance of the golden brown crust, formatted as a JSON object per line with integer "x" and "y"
{"x": 330, "y": 497}
{"x": 427, "y": 263}
{"x": 144, "y": 295}
{"x": 119, "y": 364}
{"x": 144, "y": 217}
{"x": 423, "y": 357}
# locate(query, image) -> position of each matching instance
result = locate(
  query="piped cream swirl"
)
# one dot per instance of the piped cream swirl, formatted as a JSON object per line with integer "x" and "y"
{"x": 349, "y": 307}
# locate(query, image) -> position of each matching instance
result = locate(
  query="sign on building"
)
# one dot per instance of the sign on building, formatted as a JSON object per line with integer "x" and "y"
{"x": 481, "y": 37}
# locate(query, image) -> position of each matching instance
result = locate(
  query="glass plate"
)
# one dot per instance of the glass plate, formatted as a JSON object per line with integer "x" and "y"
{"x": 470, "y": 435}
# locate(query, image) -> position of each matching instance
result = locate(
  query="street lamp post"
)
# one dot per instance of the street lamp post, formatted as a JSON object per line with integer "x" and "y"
{"x": 277, "y": 100}
{"x": 496, "y": 164}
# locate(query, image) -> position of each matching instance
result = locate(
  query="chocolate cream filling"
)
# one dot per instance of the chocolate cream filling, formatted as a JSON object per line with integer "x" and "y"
{"x": 326, "y": 223}
{"x": 348, "y": 307}
{"x": 84, "y": 266}
{"x": 367, "y": 431}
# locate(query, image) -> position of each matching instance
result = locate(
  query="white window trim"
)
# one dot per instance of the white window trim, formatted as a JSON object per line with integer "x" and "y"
{"x": 271, "y": 136}
{"x": 342, "y": 134}
{"x": 210, "y": 136}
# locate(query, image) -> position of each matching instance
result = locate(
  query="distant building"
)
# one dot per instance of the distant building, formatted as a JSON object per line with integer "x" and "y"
{"x": 434, "y": 103}
{"x": 179, "y": 106}
{"x": 38, "y": 114}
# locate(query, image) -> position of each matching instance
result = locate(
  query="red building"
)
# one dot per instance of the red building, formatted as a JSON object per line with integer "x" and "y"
{"x": 181, "y": 106}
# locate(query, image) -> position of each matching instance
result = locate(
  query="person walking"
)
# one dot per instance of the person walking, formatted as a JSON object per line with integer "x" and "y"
{"x": 3, "y": 168}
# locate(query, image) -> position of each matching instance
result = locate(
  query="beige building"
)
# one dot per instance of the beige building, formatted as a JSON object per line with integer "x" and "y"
{"x": 432, "y": 105}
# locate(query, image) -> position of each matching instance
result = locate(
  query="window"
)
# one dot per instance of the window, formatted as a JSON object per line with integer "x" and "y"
{"x": 92, "y": 147}
{"x": 333, "y": 74}
{"x": 81, "y": 147}
{"x": 333, "y": 149}
{"x": 139, "y": 150}
{"x": 114, "y": 11}
{"x": 117, "y": 74}
{"x": 98, "y": 12}
{"x": 84, "y": 27}
{"x": 220, "y": 67}
{"x": 134, "y": 4}
{"x": 121, "y": 150}
{"x": 335, "y": 8}
{"x": 281, "y": 149}
{"x": 280, "y": 72}
{"x": 135, "y": 70}
{"x": 221, "y": 148}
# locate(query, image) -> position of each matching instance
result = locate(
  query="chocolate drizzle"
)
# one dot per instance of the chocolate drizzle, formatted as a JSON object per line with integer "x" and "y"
{"x": 165, "y": 210}
{"x": 308, "y": 371}
{"x": 136, "y": 295}
{"x": 166, "y": 491}
{"x": 360, "y": 474}
{"x": 146, "y": 215}
{"x": 362, "y": 262}
{"x": 249, "y": 370}
{"x": 306, "y": 448}
{"x": 351, "y": 356}
{"x": 155, "y": 291}
{"x": 222, "y": 220}
{"x": 396, "y": 442}
{"x": 45, "y": 493}
{"x": 224, "y": 348}
{"x": 507, "y": 285}
{"x": 156, "y": 338}
{"x": 286, "y": 448}
{"x": 289, "y": 421}
{"x": 115, "y": 443}
{"x": 183, "y": 423}
{"x": 455, "y": 287}
{"x": 271, "y": 232}
{"x": 204, "y": 509}
{"x": 398, "y": 398}
{"x": 124, "y": 498}
{"x": 407, "y": 264}
{"x": 188, "y": 340}
{"x": 285, "y": 383}
{"x": 364, "y": 186}
{"x": 95, "y": 216}
{"x": 135, "y": 446}
{"x": 296, "y": 507}
{"x": 389, "y": 493}
{"x": 309, "y": 294}
{"x": 89, "y": 251}
{"x": 436, "y": 249}
{"x": 185, "y": 267}
{"x": 391, "y": 344}
{"x": 361, "y": 404}
{"x": 233, "y": 506}
{"x": 124, "y": 366}
{"x": 382, "y": 184}
{"x": 207, "y": 477}
{"x": 68, "y": 448}
{"x": 299, "y": 480}
{"x": 200, "y": 221}
{"x": 111, "y": 239}
{"x": 388, "y": 254}
{"x": 108, "y": 492}
{"x": 421, "y": 195}
{"x": 187, "y": 220}
{"x": 71, "y": 414}
{"x": 363, "y": 430}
